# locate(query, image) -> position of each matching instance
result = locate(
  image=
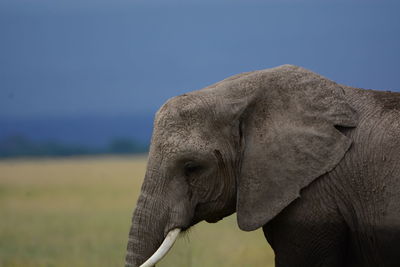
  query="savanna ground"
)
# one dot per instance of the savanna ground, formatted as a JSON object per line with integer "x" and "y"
{"x": 76, "y": 212}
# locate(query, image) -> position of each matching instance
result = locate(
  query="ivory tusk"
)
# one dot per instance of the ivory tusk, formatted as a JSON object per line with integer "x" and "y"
{"x": 163, "y": 249}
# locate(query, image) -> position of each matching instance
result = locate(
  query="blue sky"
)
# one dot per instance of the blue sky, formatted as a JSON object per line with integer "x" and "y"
{"x": 74, "y": 58}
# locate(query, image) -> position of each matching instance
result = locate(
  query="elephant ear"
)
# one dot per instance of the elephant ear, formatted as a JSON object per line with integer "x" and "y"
{"x": 289, "y": 117}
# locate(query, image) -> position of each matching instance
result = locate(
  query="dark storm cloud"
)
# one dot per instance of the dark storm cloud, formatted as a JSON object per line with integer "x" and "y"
{"x": 110, "y": 57}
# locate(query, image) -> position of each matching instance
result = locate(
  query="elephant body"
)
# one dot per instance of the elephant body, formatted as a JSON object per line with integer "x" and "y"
{"x": 314, "y": 163}
{"x": 351, "y": 215}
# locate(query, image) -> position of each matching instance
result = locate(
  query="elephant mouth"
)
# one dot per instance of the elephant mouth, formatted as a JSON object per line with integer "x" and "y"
{"x": 214, "y": 220}
{"x": 208, "y": 213}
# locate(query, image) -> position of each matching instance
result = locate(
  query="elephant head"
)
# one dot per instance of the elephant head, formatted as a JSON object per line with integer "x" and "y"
{"x": 247, "y": 144}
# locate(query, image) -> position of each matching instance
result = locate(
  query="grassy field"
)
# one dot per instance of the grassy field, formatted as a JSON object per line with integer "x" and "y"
{"x": 76, "y": 212}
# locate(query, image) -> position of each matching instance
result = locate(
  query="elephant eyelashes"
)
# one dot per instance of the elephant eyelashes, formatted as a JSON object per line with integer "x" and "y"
{"x": 190, "y": 168}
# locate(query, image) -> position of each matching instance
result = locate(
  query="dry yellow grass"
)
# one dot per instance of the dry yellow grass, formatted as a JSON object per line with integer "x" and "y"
{"x": 76, "y": 212}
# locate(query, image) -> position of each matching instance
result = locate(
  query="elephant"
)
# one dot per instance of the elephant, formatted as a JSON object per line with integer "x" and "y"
{"x": 314, "y": 163}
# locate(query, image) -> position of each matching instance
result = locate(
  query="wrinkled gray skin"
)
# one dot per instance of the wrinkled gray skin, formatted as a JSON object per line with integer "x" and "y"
{"x": 315, "y": 163}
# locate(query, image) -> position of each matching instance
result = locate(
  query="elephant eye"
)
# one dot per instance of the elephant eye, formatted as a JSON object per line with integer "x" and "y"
{"x": 190, "y": 168}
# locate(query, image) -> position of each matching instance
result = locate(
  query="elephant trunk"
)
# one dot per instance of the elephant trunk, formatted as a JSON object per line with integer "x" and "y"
{"x": 151, "y": 219}
{"x": 163, "y": 249}
{"x": 147, "y": 231}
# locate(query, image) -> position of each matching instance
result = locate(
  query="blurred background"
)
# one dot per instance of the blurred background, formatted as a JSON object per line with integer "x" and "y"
{"x": 80, "y": 81}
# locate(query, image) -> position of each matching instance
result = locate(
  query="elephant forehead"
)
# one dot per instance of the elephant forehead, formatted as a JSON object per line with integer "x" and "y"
{"x": 182, "y": 143}
{"x": 181, "y": 117}
{"x": 181, "y": 137}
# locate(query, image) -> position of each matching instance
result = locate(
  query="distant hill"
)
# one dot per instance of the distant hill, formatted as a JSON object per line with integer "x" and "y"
{"x": 94, "y": 132}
